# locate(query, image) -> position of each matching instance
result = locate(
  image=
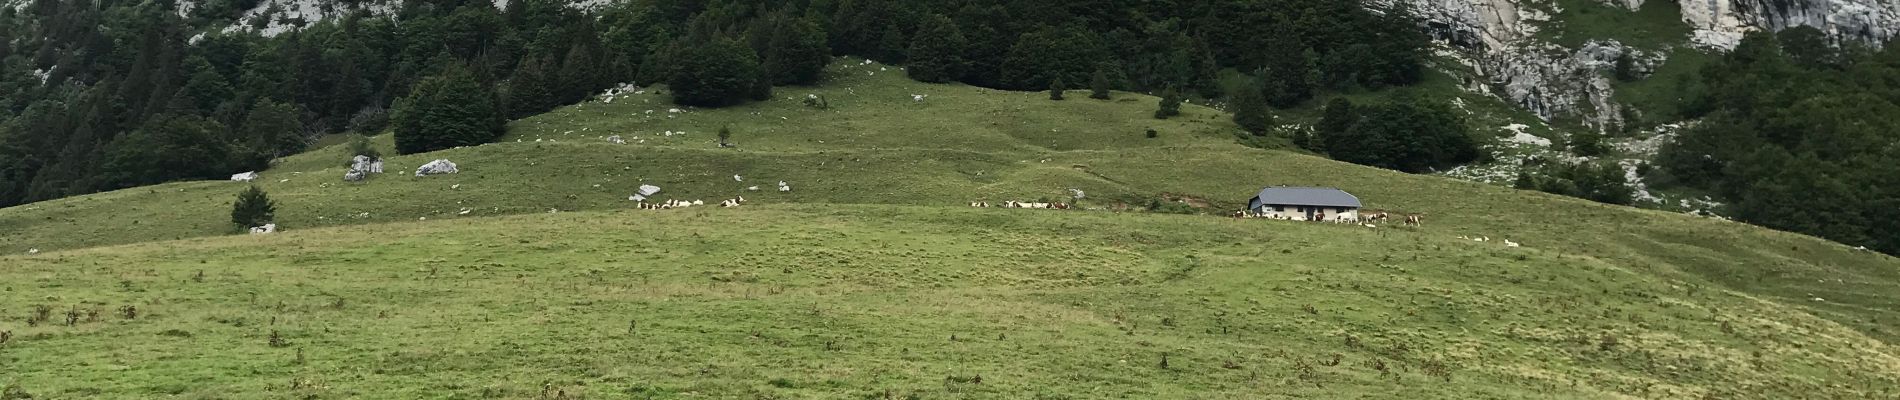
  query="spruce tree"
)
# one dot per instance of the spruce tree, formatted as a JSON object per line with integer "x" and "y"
{"x": 717, "y": 73}
{"x": 1056, "y": 88}
{"x": 1170, "y": 103}
{"x": 936, "y": 53}
{"x": 1100, "y": 86}
{"x": 796, "y": 54}
{"x": 253, "y": 208}
{"x": 273, "y": 128}
{"x": 531, "y": 90}
{"x": 1250, "y": 110}
{"x": 448, "y": 110}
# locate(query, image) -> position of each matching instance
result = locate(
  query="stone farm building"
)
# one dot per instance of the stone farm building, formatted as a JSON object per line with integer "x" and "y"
{"x": 1305, "y": 204}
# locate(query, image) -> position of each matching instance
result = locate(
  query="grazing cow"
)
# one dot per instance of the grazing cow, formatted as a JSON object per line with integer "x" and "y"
{"x": 1011, "y": 204}
{"x": 1060, "y": 206}
{"x": 1414, "y": 220}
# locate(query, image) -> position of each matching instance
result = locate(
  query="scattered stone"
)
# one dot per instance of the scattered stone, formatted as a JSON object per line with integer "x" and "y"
{"x": 437, "y": 167}
{"x": 736, "y": 178}
{"x": 649, "y": 190}
{"x": 355, "y": 175}
{"x": 267, "y": 228}
{"x": 783, "y": 187}
{"x": 754, "y": 188}
{"x": 244, "y": 177}
{"x": 615, "y": 139}
{"x": 32, "y": 251}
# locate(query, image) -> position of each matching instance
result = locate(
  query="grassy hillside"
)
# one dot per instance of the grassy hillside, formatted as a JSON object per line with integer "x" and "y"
{"x": 808, "y": 301}
{"x": 874, "y": 253}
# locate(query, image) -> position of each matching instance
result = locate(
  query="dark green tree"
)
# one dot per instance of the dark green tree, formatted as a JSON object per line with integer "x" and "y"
{"x": 274, "y": 129}
{"x": 1056, "y": 88}
{"x": 717, "y": 73}
{"x": 531, "y": 90}
{"x": 1170, "y": 104}
{"x": 796, "y": 53}
{"x": 253, "y": 208}
{"x": 1099, "y": 85}
{"x": 1250, "y": 110}
{"x": 448, "y": 110}
{"x": 936, "y": 53}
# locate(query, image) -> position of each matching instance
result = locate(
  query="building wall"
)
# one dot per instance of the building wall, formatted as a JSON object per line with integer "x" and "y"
{"x": 1298, "y": 213}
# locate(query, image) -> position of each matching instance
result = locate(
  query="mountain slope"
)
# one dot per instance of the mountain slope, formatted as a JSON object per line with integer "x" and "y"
{"x": 872, "y": 278}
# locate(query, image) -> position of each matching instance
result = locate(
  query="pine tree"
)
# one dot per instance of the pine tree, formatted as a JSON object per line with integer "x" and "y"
{"x": 1100, "y": 86}
{"x": 936, "y": 53}
{"x": 1056, "y": 88}
{"x": 796, "y": 53}
{"x": 530, "y": 91}
{"x": 717, "y": 73}
{"x": 253, "y": 208}
{"x": 1334, "y": 121}
{"x": 1250, "y": 110}
{"x": 1170, "y": 103}
{"x": 273, "y": 129}
{"x": 447, "y": 110}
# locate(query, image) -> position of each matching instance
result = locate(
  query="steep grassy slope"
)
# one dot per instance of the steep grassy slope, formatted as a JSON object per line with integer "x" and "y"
{"x": 877, "y": 241}
{"x": 861, "y": 301}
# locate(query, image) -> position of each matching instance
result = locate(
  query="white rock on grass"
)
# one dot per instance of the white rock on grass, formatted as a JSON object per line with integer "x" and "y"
{"x": 32, "y": 251}
{"x": 267, "y": 228}
{"x": 648, "y": 190}
{"x": 244, "y": 177}
{"x": 437, "y": 167}
{"x": 736, "y": 178}
{"x": 615, "y": 139}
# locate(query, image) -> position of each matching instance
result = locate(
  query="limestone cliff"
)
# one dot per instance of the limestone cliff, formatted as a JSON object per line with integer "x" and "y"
{"x": 1501, "y": 41}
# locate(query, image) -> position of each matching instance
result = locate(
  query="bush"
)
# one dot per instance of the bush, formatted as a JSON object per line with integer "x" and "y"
{"x": 253, "y": 208}
{"x": 1056, "y": 88}
{"x": 360, "y": 146}
{"x": 1153, "y": 134}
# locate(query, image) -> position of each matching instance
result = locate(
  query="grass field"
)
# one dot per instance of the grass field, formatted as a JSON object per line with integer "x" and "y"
{"x": 800, "y": 301}
{"x": 871, "y": 279}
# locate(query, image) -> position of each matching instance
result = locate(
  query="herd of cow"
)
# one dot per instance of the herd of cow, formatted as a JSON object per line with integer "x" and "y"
{"x": 1369, "y": 219}
{"x": 672, "y": 204}
{"x": 1020, "y": 204}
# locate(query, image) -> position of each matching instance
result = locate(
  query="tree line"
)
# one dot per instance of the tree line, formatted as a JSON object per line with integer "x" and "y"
{"x": 1797, "y": 132}
{"x": 109, "y": 94}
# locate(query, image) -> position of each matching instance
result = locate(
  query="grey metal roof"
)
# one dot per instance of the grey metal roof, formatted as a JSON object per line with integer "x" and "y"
{"x": 1305, "y": 196}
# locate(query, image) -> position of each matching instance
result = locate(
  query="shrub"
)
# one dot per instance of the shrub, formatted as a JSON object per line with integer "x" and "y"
{"x": 361, "y": 146}
{"x": 253, "y": 208}
{"x": 1056, "y": 88}
{"x": 1153, "y": 134}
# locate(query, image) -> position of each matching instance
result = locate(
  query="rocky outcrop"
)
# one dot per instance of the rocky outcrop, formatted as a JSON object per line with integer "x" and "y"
{"x": 1720, "y": 24}
{"x": 1498, "y": 39}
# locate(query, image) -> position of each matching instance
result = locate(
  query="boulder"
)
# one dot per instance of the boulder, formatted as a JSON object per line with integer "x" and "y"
{"x": 355, "y": 175}
{"x": 244, "y": 177}
{"x": 267, "y": 228}
{"x": 437, "y": 167}
{"x": 615, "y": 139}
{"x": 649, "y": 190}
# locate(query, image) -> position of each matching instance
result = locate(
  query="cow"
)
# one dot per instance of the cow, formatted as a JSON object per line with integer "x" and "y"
{"x": 1414, "y": 220}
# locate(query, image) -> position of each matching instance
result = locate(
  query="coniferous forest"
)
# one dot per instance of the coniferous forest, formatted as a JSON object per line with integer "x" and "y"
{"x": 109, "y": 94}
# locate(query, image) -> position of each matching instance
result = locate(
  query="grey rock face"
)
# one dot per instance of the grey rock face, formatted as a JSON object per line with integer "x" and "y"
{"x": 437, "y": 167}
{"x": 1498, "y": 39}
